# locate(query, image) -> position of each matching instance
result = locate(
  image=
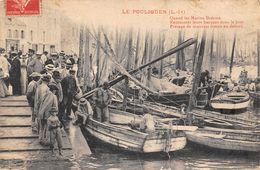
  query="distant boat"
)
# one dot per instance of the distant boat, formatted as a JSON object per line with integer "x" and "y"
{"x": 231, "y": 101}
{"x": 227, "y": 139}
{"x": 123, "y": 137}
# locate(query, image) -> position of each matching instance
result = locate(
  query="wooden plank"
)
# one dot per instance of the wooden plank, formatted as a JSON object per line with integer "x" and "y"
{"x": 16, "y": 98}
{"x": 14, "y": 111}
{"x": 15, "y": 121}
{"x": 13, "y": 104}
{"x": 16, "y": 131}
{"x": 78, "y": 142}
{"x": 9, "y": 145}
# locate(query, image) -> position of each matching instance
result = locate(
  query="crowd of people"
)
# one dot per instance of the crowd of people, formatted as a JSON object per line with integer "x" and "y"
{"x": 50, "y": 85}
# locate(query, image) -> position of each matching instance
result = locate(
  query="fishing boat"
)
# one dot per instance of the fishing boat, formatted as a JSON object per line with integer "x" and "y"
{"x": 121, "y": 136}
{"x": 231, "y": 101}
{"x": 217, "y": 119}
{"x": 206, "y": 117}
{"x": 226, "y": 139}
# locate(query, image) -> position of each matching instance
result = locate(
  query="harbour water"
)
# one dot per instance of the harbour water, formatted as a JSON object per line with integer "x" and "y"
{"x": 192, "y": 157}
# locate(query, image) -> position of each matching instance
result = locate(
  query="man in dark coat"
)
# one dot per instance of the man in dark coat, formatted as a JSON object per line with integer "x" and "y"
{"x": 204, "y": 78}
{"x": 15, "y": 73}
{"x": 70, "y": 89}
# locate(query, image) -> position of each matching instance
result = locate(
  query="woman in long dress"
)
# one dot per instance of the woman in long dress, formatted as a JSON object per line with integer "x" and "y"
{"x": 23, "y": 78}
{"x": 3, "y": 89}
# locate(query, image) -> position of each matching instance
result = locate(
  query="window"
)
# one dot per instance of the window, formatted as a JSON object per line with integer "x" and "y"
{"x": 9, "y": 33}
{"x": 43, "y": 36}
{"x": 31, "y": 35}
{"x": 52, "y": 48}
{"x": 22, "y": 34}
{"x": 16, "y": 34}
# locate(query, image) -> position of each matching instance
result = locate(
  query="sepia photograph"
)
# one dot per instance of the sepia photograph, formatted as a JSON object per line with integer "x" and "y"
{"x": 129, "y": 84}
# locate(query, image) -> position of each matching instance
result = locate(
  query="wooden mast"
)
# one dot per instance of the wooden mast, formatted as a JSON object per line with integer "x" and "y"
{"x": 81, "y": 55}
{"x": 149, "y": 59}
{"x": 128, "y": 59}
{"x": 179, "y": 53}
{"x": 196, "y": 78}
{"x": 232, "y": 55}
{"x": 97, "y": 57}
{"x": 161, "y": 50}
{"x": 195, "y": 53}
{"x": 86, "y": 61}
{"x": 137, "y": 49}
{"x": 258, "y": 53}
{"x": 211, "y": 53}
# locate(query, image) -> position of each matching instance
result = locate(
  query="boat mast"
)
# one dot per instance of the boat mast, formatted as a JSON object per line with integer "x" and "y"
{"x": 196, "y": 78}
{"x": 195, "y": 52}
{"x": 137, "y": 49}
{"x": 128, "y": 59}
{"x": 161, "y": 50}
{"x": 81, "y": 55}
{"x": 232, "y": 55}
{"x": 258, "y": 53}
{"x": 97, "y": 57}
{"x": 211, "y": 53}
{"x": 86, "y": 68}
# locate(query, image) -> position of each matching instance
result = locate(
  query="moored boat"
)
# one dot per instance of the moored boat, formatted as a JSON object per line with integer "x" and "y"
{"x": 123, "y": 137}
{"x": 231, "y": 101}
{"x": 226, "y": 139}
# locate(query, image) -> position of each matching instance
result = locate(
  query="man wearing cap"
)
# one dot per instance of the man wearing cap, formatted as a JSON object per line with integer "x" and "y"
{"x": 31, "y": 95}
{"x": 49, "y": 68}
{"x": 40, "y": 93}
{"x": 44, "y": 57}
{"x": 23, "y": 79}
{"x": 35, "y": 65}
{"x": 63, "y": 71}
{"x": 102, "y": 98}
{"x": 15, "y": 73}
{"x": 83, "y": 111}
{"x": 70, "y": 89}
{"x": 53, "y": 60}
{"x": 30, "y": 55}
{"x": 56, "y": 81}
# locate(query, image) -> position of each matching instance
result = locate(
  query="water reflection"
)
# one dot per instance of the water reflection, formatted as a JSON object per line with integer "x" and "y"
{"x": 189, "y": 158}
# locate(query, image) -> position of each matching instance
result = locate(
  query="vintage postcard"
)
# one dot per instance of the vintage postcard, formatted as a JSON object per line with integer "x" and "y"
{"x": 130, "y": 84}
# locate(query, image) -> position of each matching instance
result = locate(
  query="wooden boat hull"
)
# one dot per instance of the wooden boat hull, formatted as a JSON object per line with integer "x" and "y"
{"x": 230, "y": 106}
{"x": 231, "y": 101}
{"x": 226, "y": 139}
{"x": 123, "y": 137}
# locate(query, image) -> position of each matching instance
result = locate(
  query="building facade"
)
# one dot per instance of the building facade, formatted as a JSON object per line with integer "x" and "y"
{"x": 41, "y": 33}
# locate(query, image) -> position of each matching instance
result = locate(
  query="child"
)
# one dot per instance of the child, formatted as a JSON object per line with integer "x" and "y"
{"x": 54, "y": 127}
{"x": 83, "y": 111}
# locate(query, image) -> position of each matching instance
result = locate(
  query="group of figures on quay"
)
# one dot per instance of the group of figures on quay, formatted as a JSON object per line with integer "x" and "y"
{"x": 50, "y": 85}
